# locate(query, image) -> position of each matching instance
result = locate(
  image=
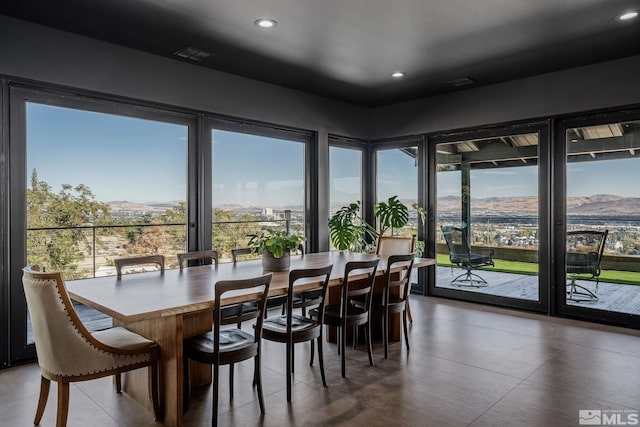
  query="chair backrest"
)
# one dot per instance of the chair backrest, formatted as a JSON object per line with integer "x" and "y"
{"x": 394, "y": 245}
{"x": 405, "y": 279}
{"x": 65, "y": 347}
{"x": 457, "y": 243}
{"x": 352, "y": 288}
{"x": 257, "y": 287}
{"x": 120, "y": 263}
{"x": 201, "y": 256}
{"x": 318, "y": 297}
{"x": 584, "y": 251}
{"x": 235, "y": 253}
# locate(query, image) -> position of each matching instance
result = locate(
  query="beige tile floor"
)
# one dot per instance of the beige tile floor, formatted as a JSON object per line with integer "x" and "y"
{"x": 469, "y": 365}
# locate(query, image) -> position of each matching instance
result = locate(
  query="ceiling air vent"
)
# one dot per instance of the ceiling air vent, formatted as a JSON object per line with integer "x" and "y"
{"x": 463, "y": 81}
{"x": 192, "y": 53}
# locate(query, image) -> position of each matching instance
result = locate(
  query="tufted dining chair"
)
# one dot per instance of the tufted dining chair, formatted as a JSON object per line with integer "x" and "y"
{"x": 68, "y": 352}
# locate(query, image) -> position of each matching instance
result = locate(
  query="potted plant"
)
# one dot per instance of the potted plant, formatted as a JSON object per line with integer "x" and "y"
{"x": 393, "y": 215}
{"x": 348, "y": 231}
{"x": 275, "y": 247}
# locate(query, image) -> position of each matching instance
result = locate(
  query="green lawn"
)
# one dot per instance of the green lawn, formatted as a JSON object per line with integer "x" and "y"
{"x": 610, "y": 276}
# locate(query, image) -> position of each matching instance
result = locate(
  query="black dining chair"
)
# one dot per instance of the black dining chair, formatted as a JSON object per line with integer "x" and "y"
{"x": 293, "y": 328}
{"x": 344, "y": 315}
{"x": 229, "y": 346}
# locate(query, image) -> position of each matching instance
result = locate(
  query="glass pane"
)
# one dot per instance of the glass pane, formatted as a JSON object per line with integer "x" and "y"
{"x": 603, "y": 223}
{"x": 487, "y": 216}
{"x": 100, "y": 187}
{"x": 258, "y": 183}
{"x": 345, "y": 177}
{"x": 397, "y": 175}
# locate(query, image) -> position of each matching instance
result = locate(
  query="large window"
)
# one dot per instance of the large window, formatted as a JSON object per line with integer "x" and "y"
{"x": 102, "y": 186}
{"x": 258, "y": 182}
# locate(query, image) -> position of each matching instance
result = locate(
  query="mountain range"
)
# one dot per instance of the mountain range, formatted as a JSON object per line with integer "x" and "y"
{"x": 596, "y": 205}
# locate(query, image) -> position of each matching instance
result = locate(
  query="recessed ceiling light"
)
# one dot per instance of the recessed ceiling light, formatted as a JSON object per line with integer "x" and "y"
{"x": 628, "y": 15}
{"x": 397, "y": 74}
{"x": 265, "y": 23}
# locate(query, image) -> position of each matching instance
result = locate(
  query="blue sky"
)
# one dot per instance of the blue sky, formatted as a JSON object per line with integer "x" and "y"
{"x": 121, "y": 158}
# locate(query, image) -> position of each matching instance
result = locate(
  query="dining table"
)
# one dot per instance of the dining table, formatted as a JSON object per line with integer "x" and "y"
{"x": 177, "y": 304}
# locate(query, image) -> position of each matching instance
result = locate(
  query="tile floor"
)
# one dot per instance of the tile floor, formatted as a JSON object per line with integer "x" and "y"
{"x": 469, "y": 365}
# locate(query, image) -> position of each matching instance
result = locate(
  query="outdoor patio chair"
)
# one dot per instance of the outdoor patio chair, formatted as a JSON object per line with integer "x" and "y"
{"x": 460, "y": 254}
{"x": 584, "y": 254}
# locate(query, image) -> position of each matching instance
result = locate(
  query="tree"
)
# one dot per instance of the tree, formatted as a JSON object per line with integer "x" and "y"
{"x": 230, "y": 230}
{"x": 55, "y": 238}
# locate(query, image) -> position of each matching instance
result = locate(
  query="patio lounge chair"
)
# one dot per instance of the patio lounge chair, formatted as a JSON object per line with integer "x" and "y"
{"x": 584, "y": 254}
{"x": 461, "y": 255}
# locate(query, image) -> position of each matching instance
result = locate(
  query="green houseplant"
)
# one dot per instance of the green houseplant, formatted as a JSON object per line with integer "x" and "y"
{"x": 275, "y": 246}
{"x": 393, "y": 215}
{"x": 348, "y": 231}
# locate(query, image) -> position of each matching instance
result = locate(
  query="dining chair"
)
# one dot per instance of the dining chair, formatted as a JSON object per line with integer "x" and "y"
{"x": 345, "y": 315}
{"x": 229, "y": 346}
{"x": 201, "y": 257}
{"x": 120, "y": 263}
{"x": 389, "y": 302}
{"x": 68, "y": 352}
{"x": 293, "y": 328}
{"x": 272, "y": 302}
{"x": 397, "y": 245}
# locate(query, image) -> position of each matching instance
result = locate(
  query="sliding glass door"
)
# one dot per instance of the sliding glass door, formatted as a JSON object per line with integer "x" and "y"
{"x": 600, "y": 207}
{"x": 489, "y": 216}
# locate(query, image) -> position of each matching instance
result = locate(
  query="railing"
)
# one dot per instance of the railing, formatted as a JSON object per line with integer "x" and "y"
{"x": 81, "y": 251}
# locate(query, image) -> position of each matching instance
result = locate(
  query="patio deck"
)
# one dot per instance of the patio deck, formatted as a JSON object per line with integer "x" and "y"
{"x": 611, "y": 296}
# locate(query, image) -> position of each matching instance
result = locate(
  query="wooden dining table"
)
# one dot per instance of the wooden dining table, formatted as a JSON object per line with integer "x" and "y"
{"x": 177, "y": 304}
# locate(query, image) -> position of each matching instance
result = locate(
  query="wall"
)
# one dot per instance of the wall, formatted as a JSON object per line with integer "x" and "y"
{"x": 598, "y": 86}
{"x": 40, "y": 53}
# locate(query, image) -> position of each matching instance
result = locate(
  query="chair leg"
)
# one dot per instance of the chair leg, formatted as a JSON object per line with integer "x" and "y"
{"x": 367, "y": 335}
{"x": 289, "y": 357}
{"x": 312, "y": 351}
{"x": 385, "y": 332}
{"x": 404, "y": 324}
{"x": 321, "y": 359}
{"x": 355, "y": 337}
{"x": 63, "y": 404}
{"x": 231, "y": 381}
{"x": 343, "y": 348}
{"x": 216, "y": 383}
{"x": 153, "y": 390}
{"x": 409, "y": 310}
{"x": 257, "y": 374}
{"x": 118, "y": 382}
{"x": 45, "y": 385}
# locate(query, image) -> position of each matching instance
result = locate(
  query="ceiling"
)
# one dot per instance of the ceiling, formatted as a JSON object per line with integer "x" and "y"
{"x": 347, "y": 49}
